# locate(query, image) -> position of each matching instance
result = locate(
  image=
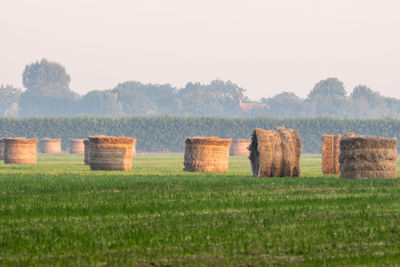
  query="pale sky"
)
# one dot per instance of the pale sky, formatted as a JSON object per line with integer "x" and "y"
{"x": 264, "y": 46}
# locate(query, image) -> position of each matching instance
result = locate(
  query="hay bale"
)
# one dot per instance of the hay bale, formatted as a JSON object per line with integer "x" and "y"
{"x": 20, "y": 150}
{"x": 368, "y": 157}
{"x": 110, "y": 153}
{"x": 86, "y": 146}
{"x": 240, "y": 147}
{"x": 336, "y": 154}
{"x": 1, "y": 149}
{"x": 76, "y": 146}
{"x": 206, "y": 154}
{"x": 50, "y": 146}
{"x": 330, "y": 153}
{"x": 350, "y": 134}
{"x": 275, "y": 153}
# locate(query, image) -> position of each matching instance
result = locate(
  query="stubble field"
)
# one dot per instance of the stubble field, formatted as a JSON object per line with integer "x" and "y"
{"x": 58, "y": 212}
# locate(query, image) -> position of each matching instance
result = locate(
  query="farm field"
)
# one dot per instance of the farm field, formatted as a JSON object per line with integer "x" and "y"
{"x": 58, "y": 212}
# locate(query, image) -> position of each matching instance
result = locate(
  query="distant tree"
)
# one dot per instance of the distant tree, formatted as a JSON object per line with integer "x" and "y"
{"x": 100, "y": 103}
{"x": 367, "y": 103}
{"x": 393, "y": 108}
{"x": 285, "y": 105}
{"x": 138, "y": 98}
{"x": 47, "y": 90}
{"x": 216, "y": 98}
{"x": 9, "y": 97}
{"x": 328, "y": 97}
{"x": 46, "y": 78}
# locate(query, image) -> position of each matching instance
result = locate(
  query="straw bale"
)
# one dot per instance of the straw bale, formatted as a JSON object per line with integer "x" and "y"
{"x": 368, "y": 157}
{"x": 366, "y": 154}
{"x": 327, "y": 153}
{"x": 20, "y": 150}
{"x": 366, "y": 165}
{"x": 240, "y": 147}
{"x": 330, "y": 153}
{"x": 275, "y": 153}
{"x": 350, "y": 134}
{"x": 336, "y": 150}
{"x": 86, "y": 146}
{"x": 110, "y": 153}
{"x": 369, "y": 142}
{"x": 369, "y": 174}
{"x": 76, "y": 146}
{"x": 50, "y": 146}
{"x": 1, "y": 149}
{"x": 206, "y": 154}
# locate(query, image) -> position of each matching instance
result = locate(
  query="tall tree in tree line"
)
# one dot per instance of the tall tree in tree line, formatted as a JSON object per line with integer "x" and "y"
{"x": 328, "y": 97}
{"x": 47, "y": 90}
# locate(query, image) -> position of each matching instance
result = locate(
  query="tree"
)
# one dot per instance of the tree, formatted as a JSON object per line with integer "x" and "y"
{"x": 9, "y": 97}
{"x": 328, "y": 97}
{"x": 216, "y": 98}
{"x": 100, "y": 103}
{"x": 47, "y": 90}
{"x": 285, "y": 105}
{"x": 138, "y": 98}
{"x": 46, "y": 78}
{"x": 367, "y": 103}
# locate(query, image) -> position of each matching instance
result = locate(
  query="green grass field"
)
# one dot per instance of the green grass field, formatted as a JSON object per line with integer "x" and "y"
{"x": 58, "y": 212}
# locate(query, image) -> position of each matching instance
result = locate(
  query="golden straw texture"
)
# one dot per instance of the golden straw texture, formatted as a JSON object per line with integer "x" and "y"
{"x": 20, "y": 150}
{"x": 50, "y": 146}
{"x": 240, "y": 147}
{"x": 330, "y": 153}
{"x": 206, "y": 154}
{"x": 275, "y": 153}
{"x": 110, "y": 153}
{"x": 76, "y": 146}
{"x": 368, "y": 157}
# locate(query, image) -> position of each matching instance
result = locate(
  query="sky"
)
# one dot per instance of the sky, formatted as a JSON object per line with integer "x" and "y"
{"x": 263, "y": 46}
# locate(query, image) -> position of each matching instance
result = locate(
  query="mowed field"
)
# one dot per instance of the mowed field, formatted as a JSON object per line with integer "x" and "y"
{"x": 58, "y": 212}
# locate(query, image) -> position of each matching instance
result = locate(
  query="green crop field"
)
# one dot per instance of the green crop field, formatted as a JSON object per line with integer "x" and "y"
{"x": 58, "y": 212}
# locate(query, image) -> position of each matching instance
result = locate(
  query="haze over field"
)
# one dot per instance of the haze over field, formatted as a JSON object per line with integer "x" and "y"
{"x": 263, "y": 46}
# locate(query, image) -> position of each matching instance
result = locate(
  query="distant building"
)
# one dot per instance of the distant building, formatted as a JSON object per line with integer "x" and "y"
{"x": 252, "y": 105}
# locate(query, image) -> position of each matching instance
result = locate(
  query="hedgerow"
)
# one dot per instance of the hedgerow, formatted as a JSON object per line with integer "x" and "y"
{"x": 167, "y": 133}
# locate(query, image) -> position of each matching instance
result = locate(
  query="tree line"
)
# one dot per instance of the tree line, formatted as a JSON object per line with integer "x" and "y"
{"x": 168, "y": 133}
{"x": 47, "y": 93}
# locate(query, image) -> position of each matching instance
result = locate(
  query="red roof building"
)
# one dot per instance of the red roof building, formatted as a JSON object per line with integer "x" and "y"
{"x": 250, "y": 106}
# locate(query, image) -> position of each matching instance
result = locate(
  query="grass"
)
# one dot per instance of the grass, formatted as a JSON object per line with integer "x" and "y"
{"x": 58, "y": 212}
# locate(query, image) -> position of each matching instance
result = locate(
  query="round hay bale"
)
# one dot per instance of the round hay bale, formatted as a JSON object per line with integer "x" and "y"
{"x": 50, "y": 146}
{"x": 1, "y": 149}
{"x": 110, "y": 153}
{"x": 275, "y": 153}
{"x": 86, "y": 146}
{"x": 330, "y": 154}
{"x": 76, "y": 146}
{"x": 240, "y": 147}
{"x": 20, "y": 150}
{"x": 206, "y": 154}
{"x": 368, "y": 157}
